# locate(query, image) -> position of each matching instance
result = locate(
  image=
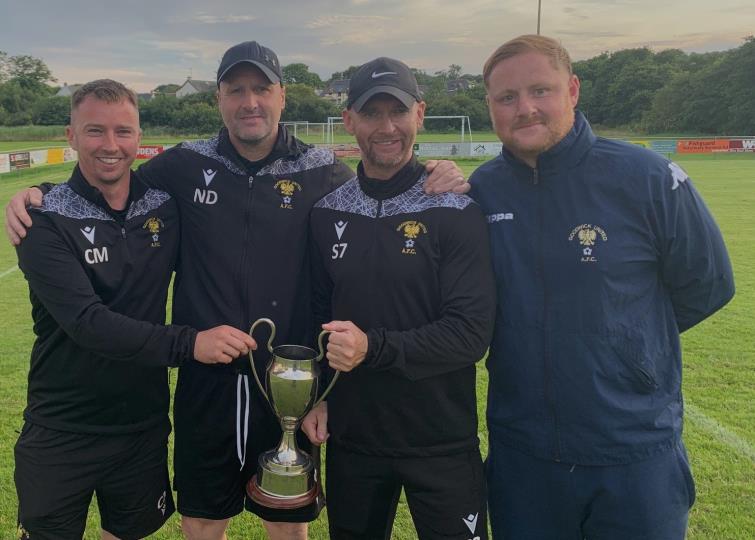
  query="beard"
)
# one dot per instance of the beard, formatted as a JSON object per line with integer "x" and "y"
{"x": 383, "y": 161}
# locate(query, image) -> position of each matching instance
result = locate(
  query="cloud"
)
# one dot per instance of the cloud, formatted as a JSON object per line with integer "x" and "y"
{"x": 574, "y": 12}
{"x": 355, "y": 21}
{"x": 222, "y": 19}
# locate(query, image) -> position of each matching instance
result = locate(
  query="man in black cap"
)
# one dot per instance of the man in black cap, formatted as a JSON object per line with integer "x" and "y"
{"x": 407, "y": 278}
{"x": 244, "y": 199}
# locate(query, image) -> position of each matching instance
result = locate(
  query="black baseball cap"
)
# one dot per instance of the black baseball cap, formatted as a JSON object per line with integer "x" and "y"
{"x": 253, "y": 53}
{"x": 383, "y": 76}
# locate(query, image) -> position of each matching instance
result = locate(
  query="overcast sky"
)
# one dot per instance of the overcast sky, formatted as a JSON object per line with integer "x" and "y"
{"x": 144, "y": 44}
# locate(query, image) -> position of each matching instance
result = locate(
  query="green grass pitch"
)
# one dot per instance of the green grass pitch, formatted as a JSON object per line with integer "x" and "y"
{"x": 719, "y": 369}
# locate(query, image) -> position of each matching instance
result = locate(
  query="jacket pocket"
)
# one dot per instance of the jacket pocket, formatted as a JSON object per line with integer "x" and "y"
{"x": 686, "y": 471}
{"x": 639, "y": 363}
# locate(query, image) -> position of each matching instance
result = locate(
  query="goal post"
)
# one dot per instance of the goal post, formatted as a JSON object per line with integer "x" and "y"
{"x": 335, "y": 128}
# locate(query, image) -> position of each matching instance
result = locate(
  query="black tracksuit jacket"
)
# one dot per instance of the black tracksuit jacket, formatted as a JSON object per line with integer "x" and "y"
{"x": 244, "y": 234}
{"x": 98, "y": 283}
{"x": 413, "y": 271}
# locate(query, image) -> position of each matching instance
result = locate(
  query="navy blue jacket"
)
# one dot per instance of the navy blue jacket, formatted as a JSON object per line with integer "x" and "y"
{"x": 603, "y": 254}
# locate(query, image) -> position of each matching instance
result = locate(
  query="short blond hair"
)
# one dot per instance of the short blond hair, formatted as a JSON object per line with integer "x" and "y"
{"x": 556, "y": 53}
{"x": 106, "y": 90}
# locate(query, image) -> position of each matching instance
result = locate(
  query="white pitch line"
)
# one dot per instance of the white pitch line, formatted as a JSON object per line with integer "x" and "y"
{"x": 9, "y": 271}
{"x": 719, "y": 432}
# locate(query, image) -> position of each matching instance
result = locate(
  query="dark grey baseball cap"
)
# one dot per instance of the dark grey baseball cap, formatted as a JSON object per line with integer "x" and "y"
{"x": 253, "y": 53}
{"x": 383, "y": 76}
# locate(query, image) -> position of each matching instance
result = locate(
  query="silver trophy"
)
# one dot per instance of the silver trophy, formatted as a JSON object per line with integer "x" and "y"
{"x": 285, "y": 475}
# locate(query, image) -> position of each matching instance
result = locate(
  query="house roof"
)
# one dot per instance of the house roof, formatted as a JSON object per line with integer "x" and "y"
{"x": 457, "y": 84}
{"x": 200, "y": 86}
{"x": 338, "y": 86}
{"x": 68, "y": 89}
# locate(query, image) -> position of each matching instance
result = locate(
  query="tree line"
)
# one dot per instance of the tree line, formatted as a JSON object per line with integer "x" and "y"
{"x": 636, "y": 89}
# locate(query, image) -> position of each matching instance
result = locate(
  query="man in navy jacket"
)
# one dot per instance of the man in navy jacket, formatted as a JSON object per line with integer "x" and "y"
{"x": 604, "y": 253}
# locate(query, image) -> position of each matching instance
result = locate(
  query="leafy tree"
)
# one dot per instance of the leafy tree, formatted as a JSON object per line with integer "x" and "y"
{"x": 4, "y": 76}
{"x": 22, "y": 84}
{"x": 712, "y": 95}
{"x": 454, "y": 71}
{"x": 52, "y": 111}
{"x": 208, "y": 98}
{"x": 199, "y": 118}
{"x": 166, "y": 89}
{"x": 158, "y": 111}
{"x": 299, "y": 74}
{"x": 303, "y": 104}
{"x": 464, "y": 103}
{"x": 346, "y": 74}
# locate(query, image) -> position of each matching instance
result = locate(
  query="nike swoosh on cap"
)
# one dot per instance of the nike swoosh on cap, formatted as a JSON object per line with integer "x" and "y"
{"x": 376, "y": 75}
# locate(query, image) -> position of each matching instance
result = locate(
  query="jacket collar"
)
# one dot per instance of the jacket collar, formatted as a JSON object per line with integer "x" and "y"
{"x": 566, "y": 153}
{"x": 286, "y": 147}
{"x": 80, "y": 186}
{"x": 381, "y": 190}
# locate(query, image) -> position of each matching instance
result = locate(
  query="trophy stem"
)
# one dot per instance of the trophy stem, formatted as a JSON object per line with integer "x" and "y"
{"x": 287, "y": 454}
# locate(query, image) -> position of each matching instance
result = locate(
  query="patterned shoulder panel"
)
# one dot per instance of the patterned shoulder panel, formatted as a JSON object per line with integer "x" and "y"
{"x": 64, "y": 201}
{"x": 349, "y": 198}
{"x": 415, "y": 199}
{"x": 209, "y": 148}
{"x": 153, "y": 198}
{"x": 311, "y": 159}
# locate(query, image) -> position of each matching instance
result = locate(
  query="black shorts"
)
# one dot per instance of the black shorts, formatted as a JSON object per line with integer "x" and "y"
{"x": 209, "y": 416}
{"x": 57, "y": 472}
{"x": 445, "y": 495}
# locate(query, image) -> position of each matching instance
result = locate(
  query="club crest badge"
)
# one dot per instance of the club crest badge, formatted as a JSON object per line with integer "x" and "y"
{"x": 411, "y": 231}
{"x": 287, "y": 189}
{"x": 154, "y": 225}
{"x": 587, "y": 237}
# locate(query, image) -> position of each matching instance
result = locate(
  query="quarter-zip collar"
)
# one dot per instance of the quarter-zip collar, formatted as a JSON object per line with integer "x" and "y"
{"x": 565, "y": 154}
{"x": 286, "y": 146}
{"x": 381, "y": 190}
{"x": 83, "y": 188}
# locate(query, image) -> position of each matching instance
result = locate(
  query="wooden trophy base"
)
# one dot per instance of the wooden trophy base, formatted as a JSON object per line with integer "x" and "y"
{"x": 281, "y": 503}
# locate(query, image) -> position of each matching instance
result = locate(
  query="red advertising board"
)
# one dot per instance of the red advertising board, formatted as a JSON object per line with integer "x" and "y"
{"x": 19, "y": 160}
{"x": 148, "y": 152}
{"x": 702, "y": 146}
{"x": 742, "y": 145}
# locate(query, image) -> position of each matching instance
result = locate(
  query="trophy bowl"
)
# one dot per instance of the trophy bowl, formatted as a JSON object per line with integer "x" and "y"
{"x": 285, "y": 475}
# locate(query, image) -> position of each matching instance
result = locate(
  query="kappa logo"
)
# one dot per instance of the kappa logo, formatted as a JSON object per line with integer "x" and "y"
{"x": 677, "y": 175}
{"x": 376, "y": 75}
{"x": 340, "y": 227}
{"x": 587, "y": 235}
{"x": 88, "y": 233}
{"x": 494, "y": 218}
{"x": 209, "y": 175}
{"x": 471, "y": 522}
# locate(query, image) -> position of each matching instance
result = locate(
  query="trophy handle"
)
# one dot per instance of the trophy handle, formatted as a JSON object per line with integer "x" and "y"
{"x": 319, "y": 357}
{"x": 269, "y": 348}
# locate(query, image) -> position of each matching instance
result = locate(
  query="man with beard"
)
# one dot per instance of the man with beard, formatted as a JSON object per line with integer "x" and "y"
{"x": 604, "y": 254}
{"x": 244, "y": 198}
{"x": 407, "y": 278}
